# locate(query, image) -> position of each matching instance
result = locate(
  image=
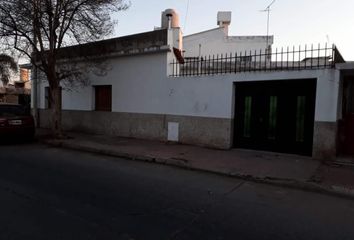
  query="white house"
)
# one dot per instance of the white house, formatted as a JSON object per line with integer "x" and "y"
{"x": 217, "y": 41}
{"x": 284, "y": 102}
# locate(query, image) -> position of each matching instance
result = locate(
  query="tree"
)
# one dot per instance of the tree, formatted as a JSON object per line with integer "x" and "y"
{"x": 7, "y": 64}
{"x": 39, "y": 29}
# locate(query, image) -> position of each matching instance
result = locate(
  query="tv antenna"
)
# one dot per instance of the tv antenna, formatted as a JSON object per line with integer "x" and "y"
{"x": 186, "y": 18}
{"x": 267, "y": 9}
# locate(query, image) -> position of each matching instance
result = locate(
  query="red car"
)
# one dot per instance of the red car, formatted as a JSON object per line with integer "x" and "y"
{"x": 16, "y": 122}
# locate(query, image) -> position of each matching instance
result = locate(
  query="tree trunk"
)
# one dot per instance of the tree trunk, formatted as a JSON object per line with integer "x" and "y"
{"x": 56, "y": 112}
{"x": 55, "y": 100}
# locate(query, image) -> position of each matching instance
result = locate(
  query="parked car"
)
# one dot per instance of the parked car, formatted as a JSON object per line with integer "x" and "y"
{"x": 16, "y": 122}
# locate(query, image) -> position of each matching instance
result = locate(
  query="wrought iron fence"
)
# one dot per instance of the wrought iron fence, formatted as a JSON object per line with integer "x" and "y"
{"x": 295, "y": 58}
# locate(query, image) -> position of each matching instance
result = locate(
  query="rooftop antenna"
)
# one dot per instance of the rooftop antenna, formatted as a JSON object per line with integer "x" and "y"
{"x": 185, "y": 20}
{"x": 328, "y": 39}
{"x": 267, "y": 9}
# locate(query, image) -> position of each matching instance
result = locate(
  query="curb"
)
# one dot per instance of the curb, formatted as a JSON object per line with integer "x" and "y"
{"x": 342, "y": 164}
{"x": 337, "y": 191}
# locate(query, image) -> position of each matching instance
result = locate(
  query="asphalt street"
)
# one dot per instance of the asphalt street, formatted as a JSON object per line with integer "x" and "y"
{"x": 52, "y": 193}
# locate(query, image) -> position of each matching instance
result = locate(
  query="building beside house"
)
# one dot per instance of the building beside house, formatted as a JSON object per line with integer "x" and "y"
{"x": 18, "y": 91}
{"x": 158, "y": 87}
{"x": 217, "y": 41}
{"x": 25, "y": 80}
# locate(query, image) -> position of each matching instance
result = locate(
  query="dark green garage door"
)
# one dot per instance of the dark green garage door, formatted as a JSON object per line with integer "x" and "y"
{"x": 275, "y": 115}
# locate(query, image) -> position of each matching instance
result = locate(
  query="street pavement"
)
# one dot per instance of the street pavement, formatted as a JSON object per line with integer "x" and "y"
{"x": 335, "y": 177}
{"x": 53, "y": 193}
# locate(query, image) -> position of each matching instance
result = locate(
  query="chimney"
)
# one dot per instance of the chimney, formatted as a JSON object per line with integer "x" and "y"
{"x": 224, "y": 21}
{"x": 169, "y": 19}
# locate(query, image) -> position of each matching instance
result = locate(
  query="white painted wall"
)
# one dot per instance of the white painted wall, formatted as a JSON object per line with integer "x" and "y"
{"x": 213, "y": 96}
{"x": 140, "y": 85}
{"x": 327, "y": 96}
{"x": 137, "y": 86}
{"x": 216, "y": 41}
{"x": 70, "y": 101}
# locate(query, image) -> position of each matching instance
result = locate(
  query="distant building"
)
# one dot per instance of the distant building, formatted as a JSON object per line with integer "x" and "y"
{"x": 217, "y": 41}
{"x": 24, "y": 79}
{"x": 18, "y": 91}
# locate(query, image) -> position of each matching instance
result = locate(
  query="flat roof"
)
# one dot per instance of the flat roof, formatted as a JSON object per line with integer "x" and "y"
{"x": 136, "y": 43}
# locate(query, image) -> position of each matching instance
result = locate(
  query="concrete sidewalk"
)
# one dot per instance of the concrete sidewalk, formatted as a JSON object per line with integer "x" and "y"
{"x": 274, "y": 168}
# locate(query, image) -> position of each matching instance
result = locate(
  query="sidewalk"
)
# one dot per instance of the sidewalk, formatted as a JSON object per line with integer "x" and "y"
{"x": 272, "y": 168}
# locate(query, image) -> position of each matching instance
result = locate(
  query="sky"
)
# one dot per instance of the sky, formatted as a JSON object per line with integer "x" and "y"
{"x": 292, "y": 22}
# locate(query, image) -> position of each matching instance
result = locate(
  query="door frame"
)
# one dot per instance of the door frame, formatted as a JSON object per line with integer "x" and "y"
{"x": 278, "y": 87}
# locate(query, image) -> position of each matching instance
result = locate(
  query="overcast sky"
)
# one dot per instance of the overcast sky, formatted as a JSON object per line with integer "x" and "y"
{"x": 292, "y": 22}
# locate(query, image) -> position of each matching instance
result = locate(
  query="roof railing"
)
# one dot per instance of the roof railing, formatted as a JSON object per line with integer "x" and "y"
{"x": 283, "y": 59}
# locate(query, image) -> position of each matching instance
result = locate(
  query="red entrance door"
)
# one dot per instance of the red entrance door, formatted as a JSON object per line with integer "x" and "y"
{"x": 347, "y": 135}
{"x": 346, "y": 125}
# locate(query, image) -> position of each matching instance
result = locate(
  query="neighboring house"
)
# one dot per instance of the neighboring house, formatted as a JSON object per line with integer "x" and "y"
{"x": 294, "y": 101}
{"x": 217, "y": 41}
{"x": 24, "y": 79}
{"x": 18, "y": 91}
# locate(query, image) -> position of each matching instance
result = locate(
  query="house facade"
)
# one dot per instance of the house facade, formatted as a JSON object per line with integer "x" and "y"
{"x": 276, "y": 102}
